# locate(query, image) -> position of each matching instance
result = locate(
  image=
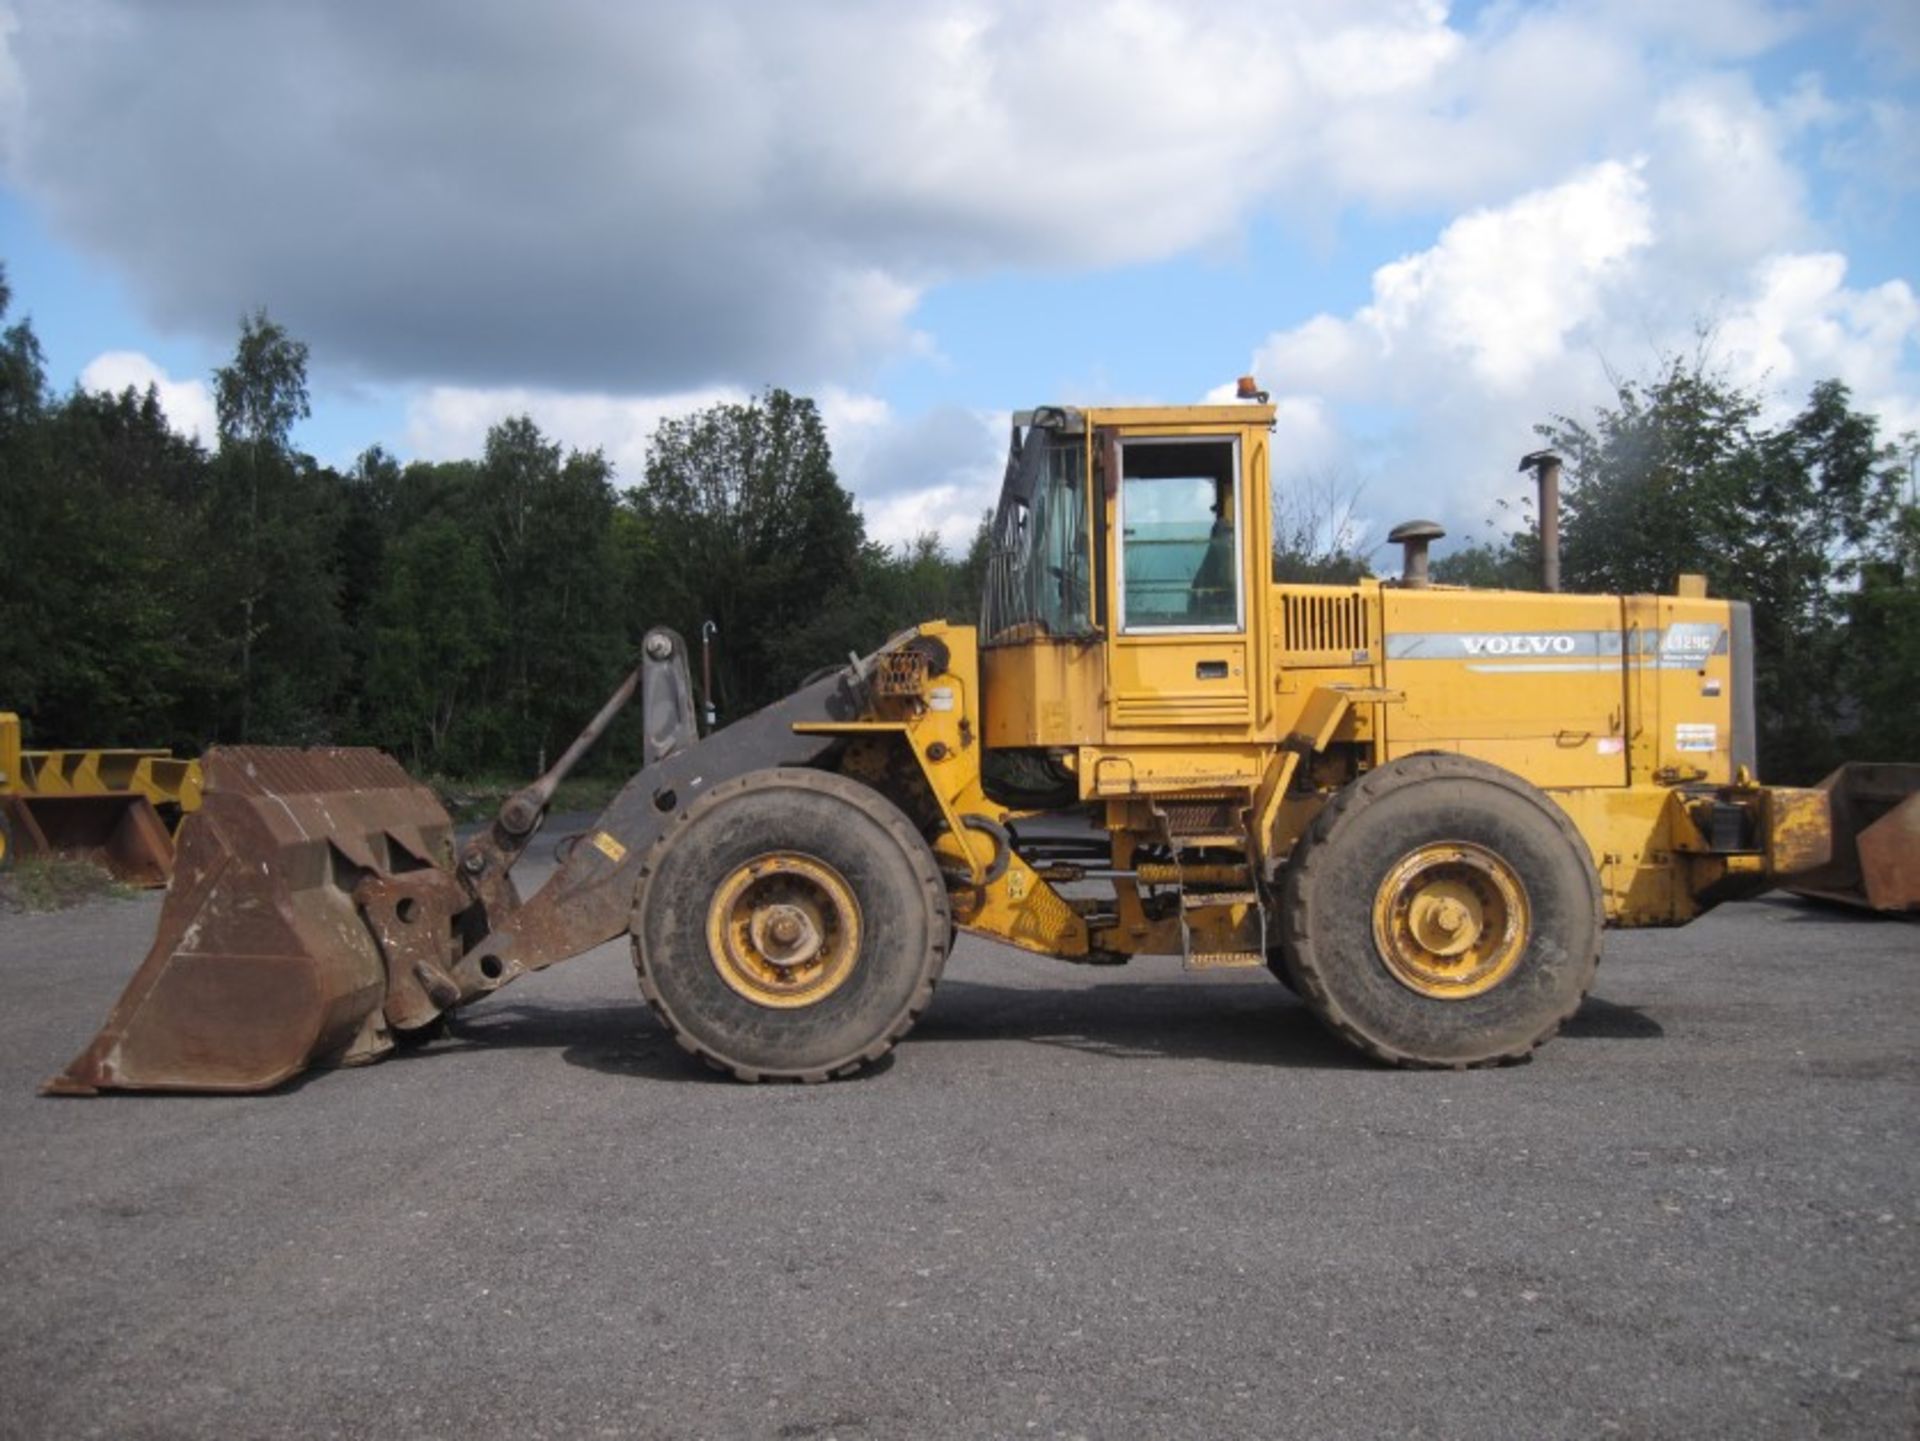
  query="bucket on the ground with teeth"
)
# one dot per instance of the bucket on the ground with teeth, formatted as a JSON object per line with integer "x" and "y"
{"x": 264, "y": 963}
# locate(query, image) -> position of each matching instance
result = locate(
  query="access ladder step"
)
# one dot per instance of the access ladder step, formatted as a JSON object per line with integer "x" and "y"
{"x": 1200, "y": 900}
{"x": 1225, "y": 960}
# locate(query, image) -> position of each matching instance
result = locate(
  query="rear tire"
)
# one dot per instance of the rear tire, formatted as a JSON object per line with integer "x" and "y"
{"x": 1281, "y": 969}
{"x": 1277, "y": 969}
{"x": 791, "y": 926}
{"x": 1442, "y": 912}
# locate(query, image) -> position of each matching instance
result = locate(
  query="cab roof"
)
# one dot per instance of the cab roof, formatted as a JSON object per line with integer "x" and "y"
{"x": 1143, "y": 416}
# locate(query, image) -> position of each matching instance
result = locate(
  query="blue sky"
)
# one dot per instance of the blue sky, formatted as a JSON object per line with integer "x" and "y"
{"x": 1424, "y": 227}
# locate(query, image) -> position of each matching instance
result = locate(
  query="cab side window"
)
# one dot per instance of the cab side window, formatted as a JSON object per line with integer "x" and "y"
{"x": 1180, "y": 552}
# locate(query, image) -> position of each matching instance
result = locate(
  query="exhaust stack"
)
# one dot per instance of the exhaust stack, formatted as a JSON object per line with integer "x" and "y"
{"x": 1545, "y": 466}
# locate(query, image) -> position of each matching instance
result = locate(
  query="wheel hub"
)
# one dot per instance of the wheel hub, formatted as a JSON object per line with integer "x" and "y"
{"x": 783, "y": 930}
{"x": 1451, "y": 920}
{"x": 787, "y": 934}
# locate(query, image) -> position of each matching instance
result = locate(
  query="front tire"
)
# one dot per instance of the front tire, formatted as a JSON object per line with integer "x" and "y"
{"x": 792, "y": 926}
{"x": 1442, "y": 912}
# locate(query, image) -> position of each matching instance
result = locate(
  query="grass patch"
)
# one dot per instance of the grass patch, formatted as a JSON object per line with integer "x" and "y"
{"x": 471, "y": 801}
{"x": 53, "y": 883}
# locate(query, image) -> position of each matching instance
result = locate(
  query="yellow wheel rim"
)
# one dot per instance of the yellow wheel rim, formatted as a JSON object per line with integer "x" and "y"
{"x": 1451, "y": 920}
{"x": 784, "y": 930}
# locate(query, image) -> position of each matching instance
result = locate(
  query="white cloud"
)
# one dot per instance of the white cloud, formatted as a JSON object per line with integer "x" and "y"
{"x": 950, "y": 512}
{"x": 602, "y": 215}
{"x": 1728, "y": 194}
{"x": 1892, "y": 31}
{"x": 446, "y": 422}
{"x": 1503, "y": 108}
{"x": 188, "y": 404}
{"x": 613, "y": 198}
{"x": 1710, "y": 29}
{"x": 1799, "y": 323}
{"x": 1305, "y": 434}
{"x": 1492, "y": 300}
{"x": 1530, "y": 309}
{"x": 1875, "y": 147}
{"x": 929, "y": 473}
{"x": 644, "y": 198}
{"x": 1390, "y": 55}
{"x": 1503, "y": 288}
{"x": 13, "y": 91}
{"x": 1306, "y": 438}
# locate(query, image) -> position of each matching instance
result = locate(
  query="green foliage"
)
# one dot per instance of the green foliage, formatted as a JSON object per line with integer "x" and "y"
{"x": 472, "y": 798}
{"x": 1509, "y": 563}
{"x": 1883, "y": 652}
{"x": 115, "y": 628}
{"x": 890, "y": 590}
{"x": 54, "y": 883}
{"x": 747, "y": 527}
{"x": 549, "y": 532}
{"x": 264, "y": 391}
{"x": 23, "y": 372}
{"x": 427, "y": 665}
{"x": 97, "y": 558}
{"x": 1503, "y": 562}
{"x": 274, "y": 566}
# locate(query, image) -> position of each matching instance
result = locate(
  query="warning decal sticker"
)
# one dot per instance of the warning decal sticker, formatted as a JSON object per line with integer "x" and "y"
{"x": 1695, "y": 737}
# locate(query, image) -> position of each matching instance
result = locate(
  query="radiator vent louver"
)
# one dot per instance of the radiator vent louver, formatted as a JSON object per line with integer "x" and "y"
{"x": 1181, "y": 710}
{"x": 1325, "y": 626}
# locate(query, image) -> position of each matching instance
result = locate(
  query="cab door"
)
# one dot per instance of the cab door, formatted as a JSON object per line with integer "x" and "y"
{"x": 1179, "y": 658}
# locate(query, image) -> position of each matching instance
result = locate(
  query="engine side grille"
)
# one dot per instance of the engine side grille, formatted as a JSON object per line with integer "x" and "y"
{"x": 1325, "y": 626}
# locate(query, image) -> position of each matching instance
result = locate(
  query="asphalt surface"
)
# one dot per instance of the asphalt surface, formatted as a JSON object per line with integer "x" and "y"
{"x": 1074, "y": 1203}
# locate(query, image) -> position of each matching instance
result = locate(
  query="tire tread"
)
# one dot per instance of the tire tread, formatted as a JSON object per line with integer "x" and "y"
{"x": 1420, "y": 769}
{"x": 912, "y": 844}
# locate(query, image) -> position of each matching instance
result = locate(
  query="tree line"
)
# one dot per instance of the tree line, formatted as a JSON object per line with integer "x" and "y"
{"x": 470, "y": 615}
{"x": 467, "y": 615}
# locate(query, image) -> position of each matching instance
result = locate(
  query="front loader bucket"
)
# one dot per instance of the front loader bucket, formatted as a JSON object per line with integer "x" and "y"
{"x": 1876, "y": 838}
{"x": 121, "y": 832}
{"x": 263, "y": 964}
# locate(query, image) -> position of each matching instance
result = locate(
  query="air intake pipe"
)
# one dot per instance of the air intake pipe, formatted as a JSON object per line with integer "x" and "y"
{"x": 1416, "y": 536}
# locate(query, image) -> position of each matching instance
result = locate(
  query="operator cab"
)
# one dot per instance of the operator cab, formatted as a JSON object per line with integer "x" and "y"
{"x": 1126, "y": 587}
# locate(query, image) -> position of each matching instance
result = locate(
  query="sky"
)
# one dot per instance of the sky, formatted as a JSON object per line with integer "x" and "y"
{"x": 1424, "y": 228}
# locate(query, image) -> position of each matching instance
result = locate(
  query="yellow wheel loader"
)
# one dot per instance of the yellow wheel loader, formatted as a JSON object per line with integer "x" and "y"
{"x": 1419, "y": 806}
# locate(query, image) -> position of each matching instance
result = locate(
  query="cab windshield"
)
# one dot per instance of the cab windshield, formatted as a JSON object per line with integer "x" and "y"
{"x": 1037, "y": 571}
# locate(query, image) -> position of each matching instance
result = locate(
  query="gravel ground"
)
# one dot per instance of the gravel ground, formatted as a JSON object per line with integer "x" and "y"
{"x": 1075, "y": 1203}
